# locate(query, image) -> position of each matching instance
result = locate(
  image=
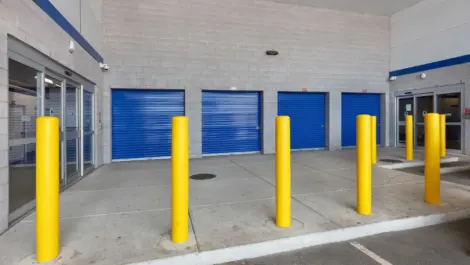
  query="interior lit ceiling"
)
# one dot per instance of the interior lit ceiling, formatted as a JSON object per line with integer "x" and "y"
{"x": 375, "y": 7}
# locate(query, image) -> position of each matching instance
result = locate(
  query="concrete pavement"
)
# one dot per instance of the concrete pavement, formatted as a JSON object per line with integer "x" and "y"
{"x": 120, "y": 214}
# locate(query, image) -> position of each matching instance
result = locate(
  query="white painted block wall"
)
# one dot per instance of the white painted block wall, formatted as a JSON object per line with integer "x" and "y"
{"x": 212, "y": 44}
{"x": 85, "y": 16}
{"x": 430, "y": 31}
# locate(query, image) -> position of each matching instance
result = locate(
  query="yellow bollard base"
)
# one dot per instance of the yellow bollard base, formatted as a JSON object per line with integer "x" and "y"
{"x": 364, "y": 209}
{"x": 362, "y": 212}
{"x": 167, "y": 244}
{"x": 433, "y": 202}
{"x": 66, "y": 256}
{"x": 179, "y": 238}
{"x": 283, "y": 224}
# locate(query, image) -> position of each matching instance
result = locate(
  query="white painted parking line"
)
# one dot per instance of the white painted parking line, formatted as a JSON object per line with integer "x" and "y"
{"x": 369, "y": 253}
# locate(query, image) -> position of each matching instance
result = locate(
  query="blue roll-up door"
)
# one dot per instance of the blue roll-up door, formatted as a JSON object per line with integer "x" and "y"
{"x": 230, "y": 122}
{"x": 141, "y": 122}
{"x": 354, "y": 104}
{"x": 307, "y": 117}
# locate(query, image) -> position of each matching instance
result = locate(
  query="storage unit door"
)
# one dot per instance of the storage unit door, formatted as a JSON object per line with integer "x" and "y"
{"x": 230, "y": 122}
{"x": 354, "y": 104}
{"x": 307, "y": 118}
{"x": 141, "y": 122}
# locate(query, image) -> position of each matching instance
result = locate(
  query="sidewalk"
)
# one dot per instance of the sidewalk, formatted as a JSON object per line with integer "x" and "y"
{"x": 120, "y": 214}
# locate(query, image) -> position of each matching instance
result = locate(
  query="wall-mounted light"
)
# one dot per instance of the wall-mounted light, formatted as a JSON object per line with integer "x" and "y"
{"x": 71, "y": 46}
{"x": 392, "y": 78}
{"x": 104, "y": 66}
{"x": 422, "y": 76}
{"x": 272, "y": 53}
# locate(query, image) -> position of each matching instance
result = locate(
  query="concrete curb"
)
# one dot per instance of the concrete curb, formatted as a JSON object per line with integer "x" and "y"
{"x": 454, "y": 169}
{"x": 294, "y": 243}
{"x": 417, "y": 163}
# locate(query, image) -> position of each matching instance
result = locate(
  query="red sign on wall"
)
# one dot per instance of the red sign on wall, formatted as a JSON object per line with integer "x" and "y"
{"x": 304, "y": 90}
{"x": 364, "y": 91}
{"x": 466, "y": 113}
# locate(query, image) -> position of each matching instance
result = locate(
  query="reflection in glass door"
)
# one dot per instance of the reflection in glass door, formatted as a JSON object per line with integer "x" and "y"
{"x": 88, "y": 130}
{"x": 72, "y": 133}
{"x": 22, "y": 113}
{"x": 450, "y": 105}
{"x": 424, "y": 105}
{"x": 405, "y": 108}
{"x": 53, "y": 107}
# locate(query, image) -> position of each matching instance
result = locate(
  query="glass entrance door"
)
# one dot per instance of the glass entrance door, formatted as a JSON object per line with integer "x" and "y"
{"x": 424, "y": 105}
{"x": 405, "y": 108}
{"x": 72, "y": 132}
{"x": 23, "y": 95}
{"x": 450, "y": 105}
{"x": 62, "y": 100}
{"x": 87, "y": 130}
{"x": 37, "y": 87}
{"x": 53, "y": 107}
{"x": 444, "y": 101}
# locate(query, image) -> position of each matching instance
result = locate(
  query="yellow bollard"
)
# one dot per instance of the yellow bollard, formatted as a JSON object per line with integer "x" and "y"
{"x": 47, "y": 188}
{"x": 432, "y": 166}
{"x": 442, "y": 134}
{"x": 409, "y": 137}
{"x": 373, "y": 139}
{"x": 363, "y": 167}
{"x": 179, "y": 180}
{"x": 283, "y": 172}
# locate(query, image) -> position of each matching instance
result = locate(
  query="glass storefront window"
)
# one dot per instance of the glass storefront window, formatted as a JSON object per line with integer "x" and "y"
{"x": 453, "y": 137}
{"x": 449, "y": 104}
{"x": 22, "y": 114}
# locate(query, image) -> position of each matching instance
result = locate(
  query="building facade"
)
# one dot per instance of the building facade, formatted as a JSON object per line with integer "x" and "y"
{"x": 116, "y": 71}
{"x": 42, "y": 73}
{"x": 216, "y": 52}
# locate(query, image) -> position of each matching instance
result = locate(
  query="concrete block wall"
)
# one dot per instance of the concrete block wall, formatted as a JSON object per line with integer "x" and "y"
{"x": 430, "y": 31}
{"x": 71, "y": 10}
{"x": 25, "y": 21}
{"x": 3, "y": 133}
{"x": 207, "y": 44}
{"x": 90, "y": 25}
{"x": 85, "y": 16}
